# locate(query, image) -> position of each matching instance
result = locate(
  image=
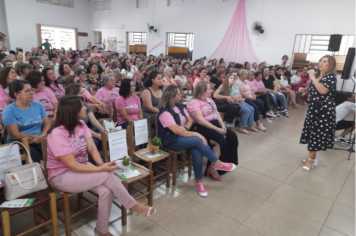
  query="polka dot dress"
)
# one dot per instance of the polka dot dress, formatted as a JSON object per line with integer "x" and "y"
{"x": 319, "y": 126}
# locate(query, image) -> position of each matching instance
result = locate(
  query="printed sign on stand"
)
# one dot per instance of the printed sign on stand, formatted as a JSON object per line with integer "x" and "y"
{"x": 117, "y": 145}
{"x": 141, "y": 132}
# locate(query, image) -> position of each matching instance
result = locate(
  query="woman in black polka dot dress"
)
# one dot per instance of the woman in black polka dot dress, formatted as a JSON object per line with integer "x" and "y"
{"x": 319, "y": 126}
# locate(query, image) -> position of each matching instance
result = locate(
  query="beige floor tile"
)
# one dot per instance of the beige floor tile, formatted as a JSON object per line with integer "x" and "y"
{"x": 135, "y": 225}
{"x": 245, "y": 157}
{"x": 261, "y": 138}
{"x": 284, "y": 157}
{"x": 326, "y": 231}
{"x": 155, "y": 230}
{"x": 279, "y": 132}
{"x": 270, "y": 168}
{"x": 245, "y": 231}
{"x": 314, "y": 183}
{"x": 231, "y": 202}
{"x": 272, "y": 220}
{"x": 195, "y": 218}
{"x": 302, "y": 202}
{"x": 252, "y": 148}
{"x": 331, "y": 171}
{"x": 347, "y": 196}
{"x": 253, "y": 183}
{"x": 296, "y": 148}
{"x": 167, "y": 200}
{"x": 351, "y": 178}
{"x": 295, "y": 138}
{"x": 336, "y": 158}
{"x": 342, "y": 219}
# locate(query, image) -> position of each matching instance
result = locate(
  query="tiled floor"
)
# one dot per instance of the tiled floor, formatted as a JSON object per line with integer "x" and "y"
{"x": 268, "y": 194}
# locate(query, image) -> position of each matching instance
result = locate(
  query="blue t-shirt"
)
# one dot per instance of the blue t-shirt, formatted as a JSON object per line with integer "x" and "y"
{"x": 28, "y": 121}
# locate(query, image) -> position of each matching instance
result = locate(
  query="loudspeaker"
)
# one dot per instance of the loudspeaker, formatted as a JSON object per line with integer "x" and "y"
{"x": 334, "y": 43}
{"x": 349, "y": 63}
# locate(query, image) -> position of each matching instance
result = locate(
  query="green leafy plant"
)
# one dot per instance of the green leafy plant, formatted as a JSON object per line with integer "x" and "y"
{"x": 156, "y": 142}
{"x": 126, "y": 161}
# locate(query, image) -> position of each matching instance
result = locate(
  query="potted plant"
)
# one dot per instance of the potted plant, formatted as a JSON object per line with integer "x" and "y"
{"x": 155, "y": 144}
{"x": 126, "y": 162}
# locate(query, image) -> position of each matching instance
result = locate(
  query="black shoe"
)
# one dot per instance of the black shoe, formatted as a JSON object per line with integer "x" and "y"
{"x": 285, "y": 113}
{"x": 277, "y": 113}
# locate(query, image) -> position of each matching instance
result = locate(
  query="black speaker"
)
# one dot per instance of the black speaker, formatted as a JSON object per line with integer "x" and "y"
{"x": 334, "y": 43}
{"x": 348, "y": 63}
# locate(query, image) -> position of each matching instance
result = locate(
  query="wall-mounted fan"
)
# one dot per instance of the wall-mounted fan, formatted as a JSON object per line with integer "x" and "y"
{"x": 151, "y": 28}
{"x": 257, "y": 28}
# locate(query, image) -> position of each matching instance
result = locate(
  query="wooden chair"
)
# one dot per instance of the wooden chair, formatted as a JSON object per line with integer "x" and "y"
{"x": 128, "y": 183}
{"x": 186, "y": 159}
{"x": 43, "y": 196}
{"x": 109, "y": 111}
{"x": 114, "y": 111}
{"x": 65, "y": 197}
{"x": 141, "y": 154}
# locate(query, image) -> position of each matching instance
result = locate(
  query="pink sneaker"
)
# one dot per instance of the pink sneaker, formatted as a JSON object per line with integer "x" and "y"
{"x": 201, "y": 190}
{"x": 226, "y": 167}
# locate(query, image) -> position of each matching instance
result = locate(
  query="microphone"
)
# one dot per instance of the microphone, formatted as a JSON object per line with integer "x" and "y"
{"x": 316, "y": 69}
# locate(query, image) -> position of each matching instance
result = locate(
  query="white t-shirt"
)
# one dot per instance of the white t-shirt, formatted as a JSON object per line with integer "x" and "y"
{"x": 129, "y": 75}
{"x": 287, "y": 63}
{"x": 295, "y": 78}
{"x": 343, "y": 110}
{"x": 283, "y": 82}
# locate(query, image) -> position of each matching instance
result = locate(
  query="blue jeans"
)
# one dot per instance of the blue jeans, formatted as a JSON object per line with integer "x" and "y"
{"x": 258, "y": 106}
{"x": 247, "y": 113}
{"x": 97, "y": 142}
{"x": 194, "y": 145}
{"x": 281, "y": 98}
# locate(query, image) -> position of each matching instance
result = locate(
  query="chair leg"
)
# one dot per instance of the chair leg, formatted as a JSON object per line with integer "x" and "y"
{"x": 168, "y": 180}
{"x": 35, "y": 216}
{"x": 79, "y": 201}
{"x": 6, "y": 223}
{"x": 190, "y": 167}
{"x": 174, "y": 169}
{"x": 150, "y": 189}
{"x": 123, "y": 216}
{"x": 53, "y": 208}
{"x": 66, "y": 215}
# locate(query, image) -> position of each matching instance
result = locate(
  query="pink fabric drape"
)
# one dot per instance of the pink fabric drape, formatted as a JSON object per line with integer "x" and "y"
{"x": 236, "y": 45}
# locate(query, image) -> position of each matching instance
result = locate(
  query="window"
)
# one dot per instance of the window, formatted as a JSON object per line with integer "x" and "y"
{"x": 63, "y": 3}
{"x": 141, "y": 3}
{"x": 180, "y": 2}
{"x": 137, "y": 38}
{"x": 180, "y": 40}
{"x": 316, "y": 46}
{"x": 101, "y": 5}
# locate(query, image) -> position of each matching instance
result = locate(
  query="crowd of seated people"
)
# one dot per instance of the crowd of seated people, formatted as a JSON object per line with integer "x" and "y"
{"x": 40, "y": 90}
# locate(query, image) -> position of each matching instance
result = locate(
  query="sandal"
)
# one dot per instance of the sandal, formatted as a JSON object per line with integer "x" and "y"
{"x": 243, "y": 130}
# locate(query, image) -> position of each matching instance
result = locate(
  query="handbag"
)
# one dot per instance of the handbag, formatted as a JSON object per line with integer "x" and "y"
{"x": 24, "y": 179}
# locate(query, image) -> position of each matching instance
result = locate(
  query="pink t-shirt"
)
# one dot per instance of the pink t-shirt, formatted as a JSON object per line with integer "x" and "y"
{"x": 98, "y": 55}
{"x": 131, "y": 105}
{"x": 58, "y": 92}
{"x": 192, "y": 77}
{"x": 259, "y": 85}
{"x": 46, "y": 98}
{"x": 207, "y": 107}
{"x": 2, "y": 107}
{"x": 59, "y": 144}
{"x": 87, "y": 95}
{"x": 167, "y": 119}
{"x": 107, "y": 96}
{"x": 197, "y": 80}
{"x": 244, "y": 87}
{"x": 5, "y": 95}
{"x": 252, "y": 85}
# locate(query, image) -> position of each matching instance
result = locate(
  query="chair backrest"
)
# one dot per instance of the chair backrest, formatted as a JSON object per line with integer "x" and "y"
{"x": 108, "y": 109}
{"x": 44, "y": 154}
{"x": 105, "y": 144}
{"x": 24, "y": 156}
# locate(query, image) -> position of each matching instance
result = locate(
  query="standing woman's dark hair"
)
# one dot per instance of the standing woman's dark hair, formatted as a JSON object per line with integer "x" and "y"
{"x": 125, "y": 88}
{"x": 67, "y": 114}
{"x": 123, "y": 66}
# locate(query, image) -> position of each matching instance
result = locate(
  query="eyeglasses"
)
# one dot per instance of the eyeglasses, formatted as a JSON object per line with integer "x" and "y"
{"x": 27, "y": 91}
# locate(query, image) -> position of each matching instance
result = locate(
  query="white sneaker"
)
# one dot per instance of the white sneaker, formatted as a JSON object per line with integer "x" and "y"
{"x": 270, "y": 113}
{"x": 266, "y": 120}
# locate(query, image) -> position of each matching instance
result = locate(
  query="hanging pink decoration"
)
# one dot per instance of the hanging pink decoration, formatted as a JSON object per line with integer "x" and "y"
{"x": 236, "y": 45}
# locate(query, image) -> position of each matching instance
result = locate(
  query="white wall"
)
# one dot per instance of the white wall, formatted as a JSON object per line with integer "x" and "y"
{"x": 23, "y": 15}
{"x": 3, "y": 22}
{"x": 209, "y": 19}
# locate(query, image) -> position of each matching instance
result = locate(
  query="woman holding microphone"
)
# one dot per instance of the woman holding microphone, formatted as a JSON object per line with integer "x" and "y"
{"x": 319, "y": 126}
